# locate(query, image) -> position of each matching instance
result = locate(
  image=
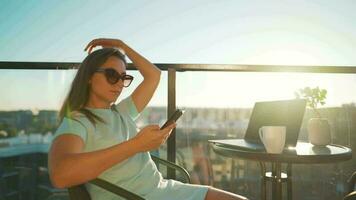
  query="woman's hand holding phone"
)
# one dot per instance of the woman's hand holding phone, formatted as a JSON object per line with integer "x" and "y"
{"x": 152, "y": 137}
{"x": 176, "y": 115}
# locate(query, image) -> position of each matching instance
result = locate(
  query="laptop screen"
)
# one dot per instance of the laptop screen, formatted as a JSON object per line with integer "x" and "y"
{"x": 287, "y": 113}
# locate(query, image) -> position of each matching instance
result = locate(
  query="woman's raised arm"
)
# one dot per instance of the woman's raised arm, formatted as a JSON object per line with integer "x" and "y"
{"x": 151, "y": 74}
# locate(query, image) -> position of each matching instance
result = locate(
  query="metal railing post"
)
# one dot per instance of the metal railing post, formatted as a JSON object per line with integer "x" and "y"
{"x": 171, "y": 143}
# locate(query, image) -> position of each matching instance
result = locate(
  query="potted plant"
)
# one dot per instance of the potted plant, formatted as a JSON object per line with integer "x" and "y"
{"x": 318, "y": 127}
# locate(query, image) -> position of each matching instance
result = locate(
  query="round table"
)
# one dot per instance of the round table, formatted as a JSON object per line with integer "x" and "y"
{"x": 303, "y": 153}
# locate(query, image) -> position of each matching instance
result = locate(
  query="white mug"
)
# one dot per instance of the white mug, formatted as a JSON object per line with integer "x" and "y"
{"x": 273, "y": 138}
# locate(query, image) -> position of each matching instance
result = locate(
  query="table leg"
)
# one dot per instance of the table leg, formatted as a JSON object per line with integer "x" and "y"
{"x": 263, "y": 180}
{"x": 277, "y": 181}
{"x": 289, "y": 181}
{"x": 233, "y": 186}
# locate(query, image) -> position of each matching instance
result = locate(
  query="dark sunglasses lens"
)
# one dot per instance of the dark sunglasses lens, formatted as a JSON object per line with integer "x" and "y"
{"x": 112, "y": 76}
{"x": 127, "y": 80}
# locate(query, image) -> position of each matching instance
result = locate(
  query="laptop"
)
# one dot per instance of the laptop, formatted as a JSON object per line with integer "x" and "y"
{"x": 287, "y": 113}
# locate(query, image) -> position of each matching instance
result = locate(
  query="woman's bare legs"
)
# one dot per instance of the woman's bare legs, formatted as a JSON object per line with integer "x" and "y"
{"x": 214, "y": 194}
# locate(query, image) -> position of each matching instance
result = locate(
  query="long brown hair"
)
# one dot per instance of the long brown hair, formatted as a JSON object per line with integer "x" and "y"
{"x": 78, "y": 95}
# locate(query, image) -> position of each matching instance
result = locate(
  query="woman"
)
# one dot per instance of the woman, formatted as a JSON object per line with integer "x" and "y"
{"x": 97, "y": 138}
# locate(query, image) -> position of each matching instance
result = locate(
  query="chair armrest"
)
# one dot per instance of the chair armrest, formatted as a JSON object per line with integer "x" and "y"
{"x": 16, "y": 172}
{"x": 351, "y": 196}
{"x": 172, "y": 166}
{"x": 115, "y": 189}
{"x": 351, "y": 182}
{"x": 78, "y": 192}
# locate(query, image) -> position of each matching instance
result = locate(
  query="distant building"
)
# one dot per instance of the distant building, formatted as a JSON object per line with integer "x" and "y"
{"x": 49, "y": 117}
{"x": 16, "y": 119}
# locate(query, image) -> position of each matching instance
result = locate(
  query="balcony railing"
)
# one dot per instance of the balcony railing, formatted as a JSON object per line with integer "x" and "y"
{"x": 172, "y": 70}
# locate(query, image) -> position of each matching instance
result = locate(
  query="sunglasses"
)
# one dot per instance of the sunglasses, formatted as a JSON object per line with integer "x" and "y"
{"x": 112, "y": 76}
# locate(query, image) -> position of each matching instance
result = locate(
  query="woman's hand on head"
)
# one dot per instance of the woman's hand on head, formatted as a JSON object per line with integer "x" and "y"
{"x": 104, "y": 43}
{"x": 151, "y": 137}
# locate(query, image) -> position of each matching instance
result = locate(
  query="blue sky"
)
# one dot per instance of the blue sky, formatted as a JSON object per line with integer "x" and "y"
{"x": 237, "y": 32}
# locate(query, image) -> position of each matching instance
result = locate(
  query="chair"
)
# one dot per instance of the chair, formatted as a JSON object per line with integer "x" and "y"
{"x": 351, "y": 188}
{"x": 45, "y": 190}
{"x": 8, "y": 186}
{"x": 11, "y": 183}
{"x": 79, "y": 192}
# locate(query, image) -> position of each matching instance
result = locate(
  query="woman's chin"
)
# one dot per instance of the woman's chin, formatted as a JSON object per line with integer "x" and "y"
{"x": 114, "y": 97}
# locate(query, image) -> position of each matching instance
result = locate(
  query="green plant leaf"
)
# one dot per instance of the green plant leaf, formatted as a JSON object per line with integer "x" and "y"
{"x": 314, "y": 96}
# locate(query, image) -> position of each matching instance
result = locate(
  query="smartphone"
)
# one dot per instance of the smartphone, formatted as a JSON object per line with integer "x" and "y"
{"x": 176, "y": 115}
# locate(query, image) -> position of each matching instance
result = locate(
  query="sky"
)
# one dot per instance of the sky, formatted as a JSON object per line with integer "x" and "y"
{"x": 319, "y": 32}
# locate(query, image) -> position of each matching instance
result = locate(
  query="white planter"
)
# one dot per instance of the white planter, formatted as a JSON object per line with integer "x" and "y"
{"x": 319, "y": 131}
